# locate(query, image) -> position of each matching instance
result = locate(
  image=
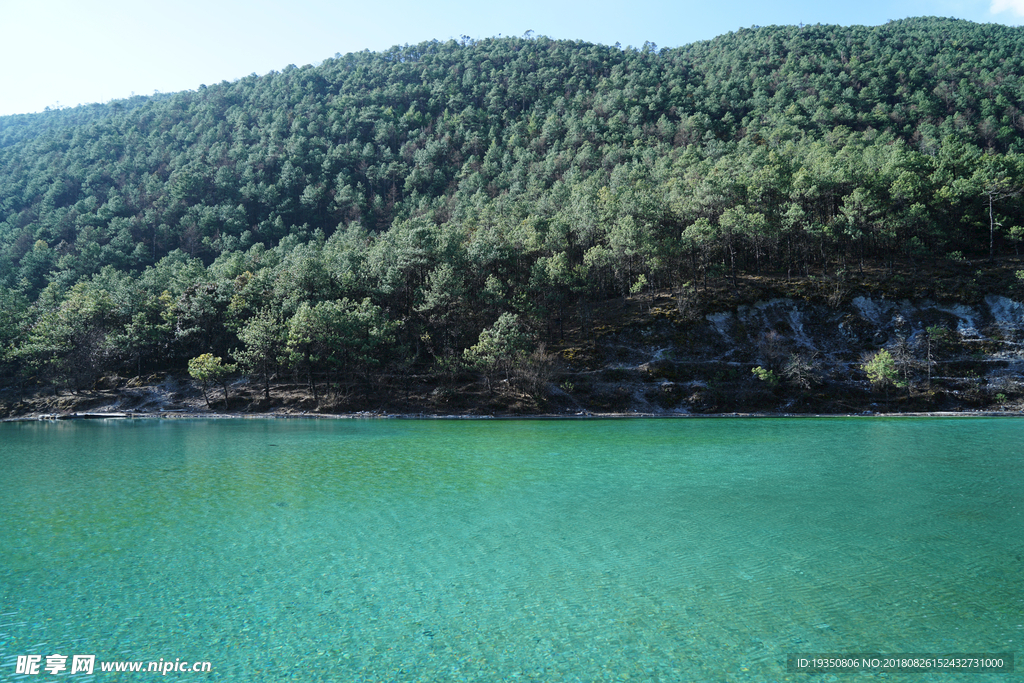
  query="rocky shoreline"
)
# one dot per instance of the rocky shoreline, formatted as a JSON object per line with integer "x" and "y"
{"x": 774, "y": 357}
{"x": 174, "y": 415}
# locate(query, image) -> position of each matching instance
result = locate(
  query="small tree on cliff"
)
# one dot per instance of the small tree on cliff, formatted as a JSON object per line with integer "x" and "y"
{"x": 208, "y": 368}
{"x": 881, "y": 371}
{"x": 498, "y": 347}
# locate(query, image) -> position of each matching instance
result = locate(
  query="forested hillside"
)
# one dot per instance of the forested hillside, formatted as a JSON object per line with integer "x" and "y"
{"x": 449, "y": 206}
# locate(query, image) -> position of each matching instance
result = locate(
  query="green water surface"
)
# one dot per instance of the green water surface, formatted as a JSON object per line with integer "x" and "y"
{"x": 660, "y": 550}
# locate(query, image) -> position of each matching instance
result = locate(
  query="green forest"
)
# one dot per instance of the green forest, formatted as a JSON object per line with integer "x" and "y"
{"x": 453, "y": 207}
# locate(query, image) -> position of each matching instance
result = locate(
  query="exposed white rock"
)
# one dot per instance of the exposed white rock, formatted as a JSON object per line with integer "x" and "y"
{"x": 875, "y": 312}
{"x": 1006, "y": 313}
{"x": 966, "y": 325}
{"x": 722, "y": 322}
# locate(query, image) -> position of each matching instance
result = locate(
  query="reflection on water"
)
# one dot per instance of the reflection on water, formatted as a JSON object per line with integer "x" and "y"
{"x": 550, "y": 550}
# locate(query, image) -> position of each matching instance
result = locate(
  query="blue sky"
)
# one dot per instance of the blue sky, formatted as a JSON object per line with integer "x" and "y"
{"x": 69, "y": 52}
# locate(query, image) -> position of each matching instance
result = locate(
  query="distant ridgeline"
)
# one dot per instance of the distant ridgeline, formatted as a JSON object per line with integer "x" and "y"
{"x": 445, "y": 205}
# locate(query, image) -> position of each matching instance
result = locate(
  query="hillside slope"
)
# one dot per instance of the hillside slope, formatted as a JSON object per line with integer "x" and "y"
{"x": 437, "y": 211}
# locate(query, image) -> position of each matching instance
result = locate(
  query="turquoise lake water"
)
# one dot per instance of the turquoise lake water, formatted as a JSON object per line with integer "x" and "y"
{"x": 592, "y": 550}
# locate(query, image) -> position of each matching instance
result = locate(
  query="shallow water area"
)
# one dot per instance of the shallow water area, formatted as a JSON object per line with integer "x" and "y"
{"x": 662, "y": 550}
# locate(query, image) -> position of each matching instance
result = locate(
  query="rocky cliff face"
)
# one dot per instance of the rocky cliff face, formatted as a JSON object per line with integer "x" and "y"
{"x": 808, "y": 357}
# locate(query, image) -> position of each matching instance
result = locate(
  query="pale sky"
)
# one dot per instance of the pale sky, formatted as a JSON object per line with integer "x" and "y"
{"x": 69, "y": 52}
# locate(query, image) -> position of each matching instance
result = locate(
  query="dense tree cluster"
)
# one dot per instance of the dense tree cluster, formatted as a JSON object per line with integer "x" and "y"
{"x": 386, "y": 211}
